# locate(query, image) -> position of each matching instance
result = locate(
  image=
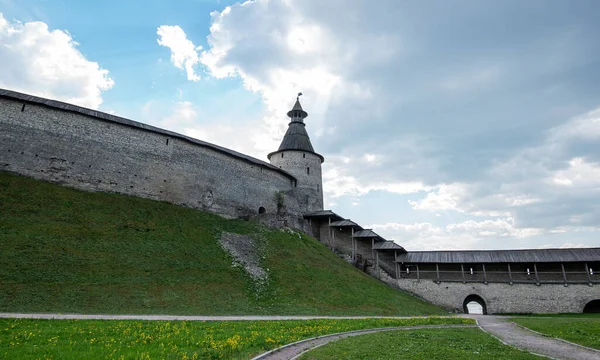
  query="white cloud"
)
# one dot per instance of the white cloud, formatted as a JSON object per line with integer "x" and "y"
{"x": 499, "y": 228}
{"x": 465, "y": 235}
{"x": 184, "y": 54}
{"x": 585, "y": 127}
{"x": 47, "y": 63}
{"x": 183, "y": 117}
{"x": 445, "y": 197}
{"x": 580, "y": 174}
{"x": 567, "y": 245}
{"x": 424, "y": 236}
{"x": 338, "y": 181}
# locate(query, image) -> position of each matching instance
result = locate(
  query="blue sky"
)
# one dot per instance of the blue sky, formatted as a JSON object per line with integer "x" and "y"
{"x": 444, "y": 124}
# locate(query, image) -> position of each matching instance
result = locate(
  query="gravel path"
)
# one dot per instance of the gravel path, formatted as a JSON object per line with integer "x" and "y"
{"x": 183, "y": 317}
{"x": 536, "y": 343}
{"x": 295, "y": 350}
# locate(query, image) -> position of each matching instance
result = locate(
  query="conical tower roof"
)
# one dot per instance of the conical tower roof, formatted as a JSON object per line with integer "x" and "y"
{"x": 296, "y": 137}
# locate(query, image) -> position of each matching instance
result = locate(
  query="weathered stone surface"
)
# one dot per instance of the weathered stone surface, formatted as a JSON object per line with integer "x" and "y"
{"x": 246, "y": 253}
{"x": 99, "y": 155}
{"x": 306, "y": 167}
{"x": 506, "y": 298}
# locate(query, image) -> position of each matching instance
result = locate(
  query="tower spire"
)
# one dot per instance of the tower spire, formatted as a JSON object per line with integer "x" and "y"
{"x": 297, "y": 113}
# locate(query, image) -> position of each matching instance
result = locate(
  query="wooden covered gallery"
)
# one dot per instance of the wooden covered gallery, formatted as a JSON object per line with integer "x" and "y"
{"x": 344, "y": 235}
{"x": 532, "y": 266}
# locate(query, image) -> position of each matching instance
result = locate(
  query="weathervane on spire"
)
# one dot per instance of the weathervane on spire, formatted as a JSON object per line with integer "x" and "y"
{"x": 299, "y": 94}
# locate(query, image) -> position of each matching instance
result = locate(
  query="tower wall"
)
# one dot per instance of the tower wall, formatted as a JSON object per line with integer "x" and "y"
{"x": 306, "y": 167}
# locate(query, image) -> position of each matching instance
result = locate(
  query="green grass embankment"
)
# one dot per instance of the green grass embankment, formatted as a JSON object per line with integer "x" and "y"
{"x": 70, "y": 251}
{"x": 93, "y": 339}
{"x": 431, "y": 344}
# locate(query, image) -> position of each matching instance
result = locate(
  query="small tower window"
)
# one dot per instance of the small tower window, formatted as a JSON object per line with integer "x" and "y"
{"x": 282, "y": 155}
{"x": 304, "y": 155}
{"x": 308, "y": 170}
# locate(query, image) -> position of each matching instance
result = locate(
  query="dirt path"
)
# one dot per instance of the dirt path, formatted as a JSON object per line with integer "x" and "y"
{"x": 294, "y": 350}
{"x": 527, "y": 340}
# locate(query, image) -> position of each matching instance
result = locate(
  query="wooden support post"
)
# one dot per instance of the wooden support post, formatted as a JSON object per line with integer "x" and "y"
{"x": 509, "y": 275}
{"x": 484, "y": 274}
{"x": 437, "y": 271}
{"x": 462, "y": 270}
{"x": 537, "y": 278}
{"x": 587, "y": 272}
{"x": 378, "y": 269}
{"x": 329, "y": 232}
{"x": 397, "y": 271}
{"x": 562, "y": 267}
{"x": 352, "y": 244}
{"x": 333, "y": 240}
{"x": 418, "y": 275}
{"x": 372, "y": 251}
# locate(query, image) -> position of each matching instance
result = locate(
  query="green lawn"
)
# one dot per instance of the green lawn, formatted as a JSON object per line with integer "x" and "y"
{"x": 443, "y": 344}
{"x": 95, "y": 339}
{"x": 580, "y": 330}
{"x": 561, "y": 315}
{"x": 70, "y": 251}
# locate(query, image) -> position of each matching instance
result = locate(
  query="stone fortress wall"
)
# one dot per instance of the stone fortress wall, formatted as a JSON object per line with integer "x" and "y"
{"x": 505, "y": 298}
{"x": 94, "y": 151}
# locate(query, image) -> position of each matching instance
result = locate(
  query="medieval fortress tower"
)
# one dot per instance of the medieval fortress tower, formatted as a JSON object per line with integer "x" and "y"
{"x": 297, "y": 156}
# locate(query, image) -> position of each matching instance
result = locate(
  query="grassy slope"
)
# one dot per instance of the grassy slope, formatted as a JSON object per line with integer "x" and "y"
{"x": 580, "y": 330}
{"x": 65, "y": 250}
{"x": 419, "y": 344}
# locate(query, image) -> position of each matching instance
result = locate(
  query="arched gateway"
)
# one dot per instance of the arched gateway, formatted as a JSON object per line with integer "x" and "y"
{"x": 474, "y": 304}
{"x": 592, "y": 307}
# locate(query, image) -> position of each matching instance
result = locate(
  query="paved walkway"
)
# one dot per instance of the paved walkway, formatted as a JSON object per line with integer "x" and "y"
{"x": 527, "y": 340}
{"x": 295, "y": 350}
{"x": 183, "y": 317}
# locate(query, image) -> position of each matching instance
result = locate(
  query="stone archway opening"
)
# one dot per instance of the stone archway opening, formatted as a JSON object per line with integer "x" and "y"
{"x": 262, "y": 210}
{"x": 592, "y": 307}
{"x": 474, "y": 304}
